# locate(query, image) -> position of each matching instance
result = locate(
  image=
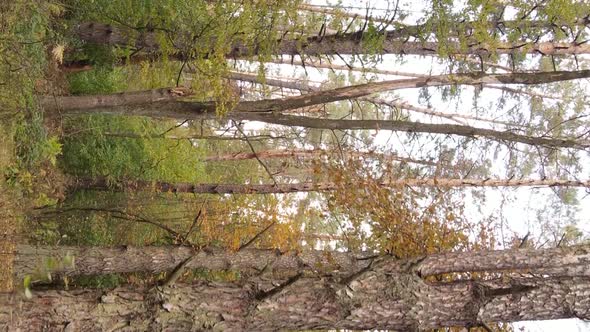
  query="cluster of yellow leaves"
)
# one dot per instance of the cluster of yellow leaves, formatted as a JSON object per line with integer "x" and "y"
{"x": 259, "y": 217}
{"x": 400, "y": 221}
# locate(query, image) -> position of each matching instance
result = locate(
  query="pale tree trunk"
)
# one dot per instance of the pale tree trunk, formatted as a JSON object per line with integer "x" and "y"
{"x": 326, "y": 65}
{"x": 268, "y": 110}
{"x": 332, "y": 66}
{"x": 346, "y": 43}
{"x": 84, "y": 103}
{"x": 58, "y": 103}
{"x": 306, "y": 153}
{"x": 73, "y": 261}
{"x": 387, "y": 294}
{"x": 101, "y": 183}
{"x": 302, "y": 86}
{"x": 194, "y": 137}
{"x": 413, "y": 127}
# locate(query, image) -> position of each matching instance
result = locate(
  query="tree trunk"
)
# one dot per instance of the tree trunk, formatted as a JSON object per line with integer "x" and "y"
{"x": 101, "y": 183}
{"x": 387, "y": 294}
{"x": 85, "y": 103}
{"x": 183, "y": 110}
{"x": 269, "y": 110}
{"x": 412, "y": 127}
{"x": 306, "y": 153}
{"x": 59, "y": 103}
{"x": 346, "y": 43}
{"x": 31, "y": 260}
{"x": 194, "y": 137}
{"x": 560, "y": 262}
{"x": 302, "y": 86}
{"x": 325, "y": 65}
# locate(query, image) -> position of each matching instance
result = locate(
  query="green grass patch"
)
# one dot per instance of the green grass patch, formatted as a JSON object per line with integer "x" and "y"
{"x": 101, "y": 80}
{"x": 92, "y": 150}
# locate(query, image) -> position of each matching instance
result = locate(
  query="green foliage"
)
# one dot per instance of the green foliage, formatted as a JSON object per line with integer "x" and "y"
{"x": 106, "y": 281}
{"x": 23, "y": 29}
{"x": 201, "y": 31}
{"x": 33, "y": 147}
{"x": 91, "y": 151}
{"x": 101, "y": 80}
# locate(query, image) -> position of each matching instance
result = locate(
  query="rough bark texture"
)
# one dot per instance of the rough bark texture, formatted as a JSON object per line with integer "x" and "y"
{"x": 103, "y": 260}
{"x": 346, "y": 43}
{"x": 101, "y": 183}
{"x": 388, "y": 294}
{"x": 561, "y": 262}
{"x": 568, "y": 261}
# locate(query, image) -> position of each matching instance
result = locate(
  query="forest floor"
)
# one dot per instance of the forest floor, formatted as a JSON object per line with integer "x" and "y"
{"x": 10, "y": 212}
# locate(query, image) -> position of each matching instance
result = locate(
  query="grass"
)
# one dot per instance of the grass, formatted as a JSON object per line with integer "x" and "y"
{"x": 9, "y": 209}
{"x": 26, "y": 150}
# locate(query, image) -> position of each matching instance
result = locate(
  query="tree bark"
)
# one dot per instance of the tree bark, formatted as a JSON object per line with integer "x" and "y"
{"x": 302, "y": 86}
{"x": 325, "y": 65}
{"x": 387, "y": 294}
{"x": 101, "y": 183}
{"x": 86, "y": 103}
{"x": 306, "y": 153}
{"x": 346, "y": 43}
{"x": 103, "y": 260}
{"x": 413, "y": 127}
{"x": 59, "y": 103}
{"x": 268, "y": 110}
{"x": 559, "y": 262}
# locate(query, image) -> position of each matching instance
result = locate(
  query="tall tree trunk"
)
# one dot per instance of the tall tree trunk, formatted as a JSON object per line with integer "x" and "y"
{"x": 101, "y": 183}
{"x": 58, "y": 103}
{"x": 412, "y": 127}
{"x": 306, "y": 153}
{"x": 72, "y": 261}
{"x": 302, "y": 86}
{"x": 326, "y": 65}
{"x": 183, "y": 110}
{"x": 346, "y": 43}
{"x": 84, "y": 103}
{"x": 194, "y": 137}
{"x": 387, "y": 294}
{"x": 269, "y": 110}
